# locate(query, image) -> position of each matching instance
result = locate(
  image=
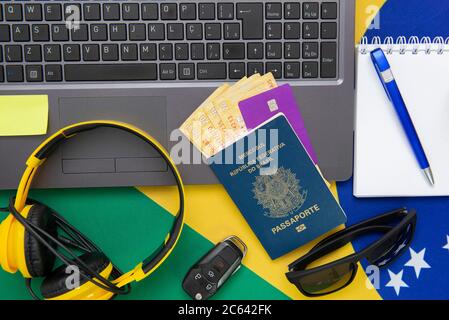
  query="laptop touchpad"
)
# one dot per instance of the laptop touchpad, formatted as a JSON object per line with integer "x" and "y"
{"x": 109, "y": 150}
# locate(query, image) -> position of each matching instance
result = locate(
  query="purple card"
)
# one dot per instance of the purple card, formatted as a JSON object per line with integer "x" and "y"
{"x": 258, "y": 109}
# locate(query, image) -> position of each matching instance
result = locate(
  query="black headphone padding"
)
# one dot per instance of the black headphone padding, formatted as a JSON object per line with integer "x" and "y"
{"x": 39, "y": 259}
{"x": 55, "y": 284}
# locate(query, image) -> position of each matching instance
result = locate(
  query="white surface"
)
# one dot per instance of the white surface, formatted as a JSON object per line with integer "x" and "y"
{"x": 384, "y": 161}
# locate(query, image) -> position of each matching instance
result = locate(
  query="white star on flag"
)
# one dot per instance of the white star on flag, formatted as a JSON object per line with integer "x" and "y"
{"x": 396, "y": 281}
{"x": 447, "y": 245}
{"x": 417, "y": 261}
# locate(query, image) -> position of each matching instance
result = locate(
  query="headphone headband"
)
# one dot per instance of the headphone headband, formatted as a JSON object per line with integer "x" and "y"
{"x": 46, "y": 148}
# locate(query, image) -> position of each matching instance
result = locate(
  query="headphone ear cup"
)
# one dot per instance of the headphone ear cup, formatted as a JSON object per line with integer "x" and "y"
{"x": 39, "y": 259}
{"x": 58, "y": 286}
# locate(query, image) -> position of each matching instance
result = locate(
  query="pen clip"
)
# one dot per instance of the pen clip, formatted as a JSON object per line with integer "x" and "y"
{"x": 380, "y": 62}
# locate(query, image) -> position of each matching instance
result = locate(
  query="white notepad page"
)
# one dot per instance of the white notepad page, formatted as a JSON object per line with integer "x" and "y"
{"x": 384, "y": 161}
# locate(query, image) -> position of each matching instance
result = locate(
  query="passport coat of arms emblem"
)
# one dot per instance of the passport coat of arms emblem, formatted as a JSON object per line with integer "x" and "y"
{"x": 280, "y": 194}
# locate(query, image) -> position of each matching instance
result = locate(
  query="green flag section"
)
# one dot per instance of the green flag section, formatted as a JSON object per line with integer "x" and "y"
{"x": 129, "y": 226}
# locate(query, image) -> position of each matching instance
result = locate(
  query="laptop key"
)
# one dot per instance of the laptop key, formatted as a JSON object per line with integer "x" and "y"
{"x": 292, "y": 50}
{"x": 206, "y": 11}
{"x": 117, "y": 32}
{"x": 110, "y": 72}
{"x": 13, "y": 53}
{"x": 225, "y": 11}
{"x": 310, "y": 10}
{"x": 167, "y": 71}
{"x": 53, "y": 73}
{"x": 109, "y": 52}
{"x": 310, "y": 50}
{"x": 175, "y": 31}
{"x": 81, "y": 33}
{"x": 130, "y": 11}
{"x": 111, "y": 11}
{"x": 187, "y": 11}
{"x": 72, "y": 12}
{"x": 99, "y": 32}
{"x": 33, "y": 73}
{"x": 329, "y": 30}
{"x": 275, "y": 68}
{"x": 129, "y": 51}
{"x": 156, "y": 31}
{"x": 148, "y": 51}
{"x": 186, "y": 71}
{"x": 213, "y": 51}
{"x": 91, "y": 11}
{"x": 4, "y": 33}
{"x": 20, "y": 32}
{"x": 254, "y": 67}
{"x": 328, "y": 59}
{"x": 59, "y": 32}
{"x": 211, "y": 71}
{"x": 52, "y": 52}
{"x": 236, "y": 70}
{"x": 53, "y": 12}
{"x": 150, "y": 11}
{"x": 291, "y": 70}
{"x": 40, "y": 32}
{"x": 231, "y": 31}
{"x": 255, "y": 50}
{"x": 292, "y": 10}
{"x": 310, "y": 70}
{"x": 194, "y": 31}
{"x": 251, "y": 15}
{"x": 181, "y": 51}
{"x": 91, "y": 52}
{"x": 310, "y": 30}
{"x": 165, "y": 51}
{"x": 273, "y": 30}
{"x": 33, "y": 12}
{"x": 32, "y": 53}
{"x": 213, "y": 31}
{"x": 273, "y": 50}
{"x": 292, "y": 30}
{"x": 71, "y": 52}
{"x": 137, "y": 32}
{"x": 2, "y": 77}
{"x": 273, "y": 11}
{"x": 14, "y": 73}
{"x": 169, "y": 11}
{"x": 13, "y": 12}
{"x": 233, "y": 51}
{"x": 329, "y": 10}
{"x": 197, "y": 51}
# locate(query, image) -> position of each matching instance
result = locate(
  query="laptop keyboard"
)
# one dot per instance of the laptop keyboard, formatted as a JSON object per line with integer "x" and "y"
{"x": 70, "y": 41}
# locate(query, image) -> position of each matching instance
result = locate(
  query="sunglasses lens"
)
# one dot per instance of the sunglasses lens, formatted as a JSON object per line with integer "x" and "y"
{"x": 328, "y": 280}
{"x": 392, "y": 247}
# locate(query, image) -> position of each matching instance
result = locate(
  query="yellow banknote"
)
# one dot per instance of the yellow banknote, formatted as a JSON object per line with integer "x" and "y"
{"x": 200, "y": 130}
{"x": 229, "y": 109}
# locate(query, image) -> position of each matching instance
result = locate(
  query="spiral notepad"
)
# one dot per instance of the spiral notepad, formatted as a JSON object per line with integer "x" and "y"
{"x": 384, "y": 162}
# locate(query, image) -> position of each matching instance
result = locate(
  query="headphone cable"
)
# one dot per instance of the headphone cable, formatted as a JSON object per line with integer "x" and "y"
{"x": 91, "y": 275}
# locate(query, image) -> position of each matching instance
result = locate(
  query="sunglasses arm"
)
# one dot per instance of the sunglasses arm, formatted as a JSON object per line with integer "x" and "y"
{"x": 333, "y": 243}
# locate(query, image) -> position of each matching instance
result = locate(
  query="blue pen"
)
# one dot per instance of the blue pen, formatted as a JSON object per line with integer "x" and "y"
{"x": 391, "y": 88}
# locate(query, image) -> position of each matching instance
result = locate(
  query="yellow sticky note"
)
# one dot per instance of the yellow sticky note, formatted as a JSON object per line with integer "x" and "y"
{"x": 23, "y": 115}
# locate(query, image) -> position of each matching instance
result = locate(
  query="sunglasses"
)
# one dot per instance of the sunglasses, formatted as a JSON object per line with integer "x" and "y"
{"x": 396, "y": 229}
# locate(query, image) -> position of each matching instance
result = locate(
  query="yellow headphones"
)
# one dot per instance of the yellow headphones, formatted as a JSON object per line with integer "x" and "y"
{"x": 32, "y": 233}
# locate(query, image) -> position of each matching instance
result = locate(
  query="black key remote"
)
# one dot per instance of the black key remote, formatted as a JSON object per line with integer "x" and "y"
{"x": 208, "y": 275}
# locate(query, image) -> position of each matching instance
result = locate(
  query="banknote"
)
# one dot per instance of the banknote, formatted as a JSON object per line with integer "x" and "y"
{"x": 227, "y": 104}
{"x": 217, "y": 122}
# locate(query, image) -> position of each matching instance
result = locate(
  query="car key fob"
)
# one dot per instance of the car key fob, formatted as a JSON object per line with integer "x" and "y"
{"x": 208, "y": 275}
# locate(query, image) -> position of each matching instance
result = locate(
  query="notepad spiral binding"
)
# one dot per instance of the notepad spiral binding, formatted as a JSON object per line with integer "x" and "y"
{"x": 402, "y": 45}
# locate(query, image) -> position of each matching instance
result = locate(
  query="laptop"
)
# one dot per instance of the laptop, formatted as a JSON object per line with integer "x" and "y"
{"x": 151, "y": 63}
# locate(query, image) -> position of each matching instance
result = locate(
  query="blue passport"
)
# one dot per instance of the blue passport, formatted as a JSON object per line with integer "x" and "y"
{"x": 275, "y": 184}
